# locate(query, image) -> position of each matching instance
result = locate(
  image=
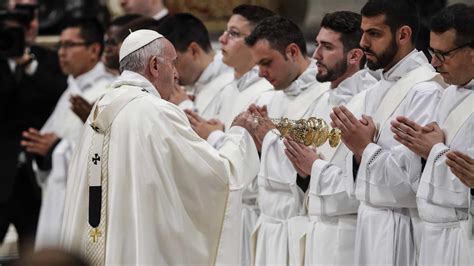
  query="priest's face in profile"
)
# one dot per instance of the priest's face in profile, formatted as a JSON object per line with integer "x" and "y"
{"x": 330, "y": 55}
{"x": 275, "y": 66}
{"x": 455, "y": 65}
{"x": 378, "y": 42}
{"x": 163, "y": 71}
{"x": 234, "y": 51}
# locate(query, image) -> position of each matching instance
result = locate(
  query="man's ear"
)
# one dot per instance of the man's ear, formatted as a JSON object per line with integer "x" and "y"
{"x": 403, "y": 35}
{"x": 153, "y": 66}
{"x": 95, "y": 48}
{"x": 194, "y": 49}
{"x": 292, "y": 50}
{"x": 354, "y": 56}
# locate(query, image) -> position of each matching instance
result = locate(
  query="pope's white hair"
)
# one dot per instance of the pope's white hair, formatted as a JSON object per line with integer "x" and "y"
{"x": 137, "y": 61}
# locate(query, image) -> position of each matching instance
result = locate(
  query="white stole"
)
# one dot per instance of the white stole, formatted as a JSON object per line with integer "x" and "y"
{"x": 98, "y": 171}
{"x": 398, "y": 92}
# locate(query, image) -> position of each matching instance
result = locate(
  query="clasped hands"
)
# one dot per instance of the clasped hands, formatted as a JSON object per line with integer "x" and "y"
{"x": 421, "y": 139}
{"x": 355, "y": 133}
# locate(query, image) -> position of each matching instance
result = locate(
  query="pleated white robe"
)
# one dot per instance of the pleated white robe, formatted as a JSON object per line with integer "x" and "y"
{"x": 332, "y": 207}
{"x": 389, "y": 172}
{"x": 67, "y": 125}
{"x": 168, "y": 190}
{"x": 442, "y": 199}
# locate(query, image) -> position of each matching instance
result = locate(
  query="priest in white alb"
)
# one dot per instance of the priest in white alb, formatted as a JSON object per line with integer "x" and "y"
{"x": 59, "y": 136}
{"x": 143, "y": 187}
{"x": 386, "y": 174}
{"x": 332, "y": 207}
{"x": 443, "y": 200}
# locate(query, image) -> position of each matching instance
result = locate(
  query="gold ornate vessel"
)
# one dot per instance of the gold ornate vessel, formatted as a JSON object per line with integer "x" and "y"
{"x": 311, "y": 131}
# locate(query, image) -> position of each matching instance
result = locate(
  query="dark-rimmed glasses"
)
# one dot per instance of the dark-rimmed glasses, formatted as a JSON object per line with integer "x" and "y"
{"x": 441, "y": 56}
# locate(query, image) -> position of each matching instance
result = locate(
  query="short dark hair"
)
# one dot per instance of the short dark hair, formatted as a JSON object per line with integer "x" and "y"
{"x": 279, "y": 32}
{"x": 397, "y": 13}
{"x": 459, "y": 17}
{"x": 346, "y": 23}
{"x": 182, "y": 29}
{"x": 90, "y": 29}
{"x": 254, "y": 14}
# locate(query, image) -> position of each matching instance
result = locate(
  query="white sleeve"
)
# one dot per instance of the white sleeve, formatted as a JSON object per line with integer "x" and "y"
{"x": 389, "y": 176}
{"x": 216, "y": 138}
{"x": 438, "y": 185}
{"x": 329, "y": 190}
{"x": 239, "y": 148}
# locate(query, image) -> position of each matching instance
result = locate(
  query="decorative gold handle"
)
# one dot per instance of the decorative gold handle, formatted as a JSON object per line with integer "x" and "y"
{"x": 311, "y": 132}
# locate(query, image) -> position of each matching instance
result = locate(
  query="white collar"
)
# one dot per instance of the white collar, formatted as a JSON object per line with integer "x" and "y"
{"x": 411, "y": 61}
{"x": 134, "y": 79}
{"x": 161, "y": 14}
{"x": 468, "y": 86}
{"x": 308, "y": 77}
{"x": 87, "y": 79}
{"x": 247, "y": 79}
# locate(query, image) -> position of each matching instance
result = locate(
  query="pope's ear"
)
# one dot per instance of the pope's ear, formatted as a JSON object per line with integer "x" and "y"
{"x": 153, "y": 66}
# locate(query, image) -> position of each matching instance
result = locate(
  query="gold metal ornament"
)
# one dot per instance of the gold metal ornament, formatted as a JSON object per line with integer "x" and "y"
{"x": 310, "y": 132}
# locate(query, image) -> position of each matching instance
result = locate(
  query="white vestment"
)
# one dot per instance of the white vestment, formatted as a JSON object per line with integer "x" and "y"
{"x": 442, "y": 199}
{"x": 332, "y": 207}
{"x": 167, "y": 188}
{"x": 67, "y": 125}
{"x": 276, "y": 237}
{"x": 235, "y": 98}
{"x": 277, "y": 102}
{"x": 208, "y": 87}
{"x": 389, "y": 173}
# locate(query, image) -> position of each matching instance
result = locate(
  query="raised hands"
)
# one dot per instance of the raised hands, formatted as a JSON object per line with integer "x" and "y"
{"x": 38, "y": 143}
{"x": 80, "y": 107}
{"x": 418, "y": 139}
{"x": 355, "y": 133}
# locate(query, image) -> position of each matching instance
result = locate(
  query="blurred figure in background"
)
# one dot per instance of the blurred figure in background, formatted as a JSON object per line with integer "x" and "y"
{"x": 113, "y": 40}
{"x": 32, "y": 83}
{"x": 150, "y": 8}
{"x": 79, "y": 49}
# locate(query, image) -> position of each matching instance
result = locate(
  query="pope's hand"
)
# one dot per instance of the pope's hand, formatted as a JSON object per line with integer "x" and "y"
{"x": 202, "y": 127}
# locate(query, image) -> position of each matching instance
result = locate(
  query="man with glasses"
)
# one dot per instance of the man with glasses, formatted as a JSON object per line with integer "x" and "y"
{"x": 443, "y": 200}
{"x": 79, "y": 50}
{"x": 247, "y": 86}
